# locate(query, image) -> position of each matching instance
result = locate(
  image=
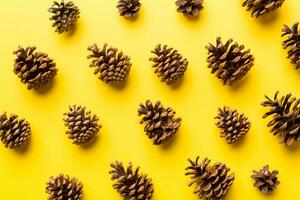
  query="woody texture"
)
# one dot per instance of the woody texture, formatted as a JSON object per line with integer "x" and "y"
{"x": 161, "y": 123}
{"x": 189, "y": 7}
{"x": 230, "y": 62}
{"x": 130, "y": 183}
{"x": 81, "y": 123}
{"x": 111, "y": 64}
{"x": 128, "y": 8}
{"x": 265, "y": 180}
{"x": 261, "y": 7}
{"x": 35, "y": 69}
{"x": 285, "y": 114}
{"x": 212, "y": 182}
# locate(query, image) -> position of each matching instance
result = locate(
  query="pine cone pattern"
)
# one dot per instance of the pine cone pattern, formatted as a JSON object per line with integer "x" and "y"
{"x": 285, "y": 111}
{"x": 161, "y": 124}
{"x": 113, "y": 65}
{"x": 64, "y": 15}
{"x": 292, "y": 43}
{"x": 230, "y": 62}
{"x": 169, "y": 65}
{"x": 212, "y": 182}
{"x": 82, "y": 125}
{"x": 265, "y": 180}
{"x": 189, "y": 7}
{"x": 63, "y": 187}
{"x": 14, "y": 132}
{"x": 130, "y": 183}
{"x": 233, "y": 125}
{"x": 261, "y": 7}
{"x": 128, "y": 8}
{"x": 33, "y": 68}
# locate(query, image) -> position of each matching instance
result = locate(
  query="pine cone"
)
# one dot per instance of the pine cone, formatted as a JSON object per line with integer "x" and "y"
{"x": 292, "y": 43}
{"x": 130, "y": 183}
{"x": 265, "y": 180}
{"x": 286, "y": 117}
{"x": 65, "y": 15}
{"x": 233, "y": 125}
{"x": 189, "y": 7}
{"x": 161, "y": 124}
{"x": 14, "y": 132}
{"x": 113, "y": 66}
{"x": 82, "y": 125}
{"x": 33, "y": 68}
{"x": 212, "y": 182}
{"x": 168, "y": 64}
{"x": 261, "y": 7}
{"x": 229, "y": 61}
{"x": 64, "y": 188}
{"x": 128, "y": 8}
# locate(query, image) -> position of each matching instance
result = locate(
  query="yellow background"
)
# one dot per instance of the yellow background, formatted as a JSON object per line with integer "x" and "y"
{"x": 23, "y": 174}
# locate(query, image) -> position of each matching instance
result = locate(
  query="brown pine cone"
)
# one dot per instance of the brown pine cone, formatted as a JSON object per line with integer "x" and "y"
{"x": 189, "y": 7}
{"x": 14, "y": 132}
{"x": 233, "y": 125}
{"x": 285, "y": 111}
{"x": 265, "y": 180}
{"x": 292, "y": 43}
{"x": 130, "y": 183}
{"x": 261, "y": 7}
{"x": 161, "y": 124}
{"x": 113, "y": 66}
{"x": 33, "y": 68}
{"x": 65, "y": 15}
{"x": 230, "y": 62}
{"x": 82, "y": 125}
{"x": 64, "y": 188}
{"x": 169, "y": 65}
{"x": 128, "y": 8}
{"x": 212, "y": 182}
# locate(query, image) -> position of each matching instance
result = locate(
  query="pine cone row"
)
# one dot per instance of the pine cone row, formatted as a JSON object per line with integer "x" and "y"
{"x": 169, "y": 65}
{"x": 33, "y": 68}
{"x": 189, "y": 7}
{"x": 292, "y": 43}
{"x": 230, "y": 62}
{"x": 233, "y": 126}
{"x": 128, "y": 8}
{"x": 113, "y": 66}
{"x": 63, "y": 187}
{"x": 212, "y": 182}
{"x": 285, "y": 111}
{"x": 82, "y": 125}
{"x": 161, "y": 124}
{"x": 265, "y": 180}
{"x": 14, "y": 132}
{"x": 261, "y": 7}
{"x": 130, "y": 183}
{"x": 64, "y": 15}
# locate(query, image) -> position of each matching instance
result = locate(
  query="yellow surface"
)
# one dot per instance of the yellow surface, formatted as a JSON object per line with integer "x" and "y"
{"x": 196, "y": 99}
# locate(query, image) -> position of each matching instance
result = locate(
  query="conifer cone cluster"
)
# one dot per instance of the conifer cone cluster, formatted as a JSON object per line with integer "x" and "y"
{"x": 212, "y": 182}
{"x": 292, "y": 43}
{"x": 113, "y": 65}
{"x": 128, "y": 8}
{"x": 63, "y": 187}
{"x": 33, "y": 68}
{"x": 233, "y": 125}
{"x": 285, "y": 111}
{"x": 82, "y": 125}
{"x": 169, "y": 65}
{"x": 189, "y": 7}
{"x": 130, "y": 183}
{"x": 64, "y": 15}
{"x": 230, "y": 62}
{"x": 161, "y": 123}
{"x": 261, "y": 7}
{"x": 265, "y": 180}
{"x": 14, "y": 132}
